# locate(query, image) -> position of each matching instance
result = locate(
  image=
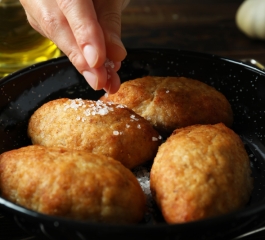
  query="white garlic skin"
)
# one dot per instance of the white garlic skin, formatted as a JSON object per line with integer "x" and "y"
{"x": 250, "y": 18}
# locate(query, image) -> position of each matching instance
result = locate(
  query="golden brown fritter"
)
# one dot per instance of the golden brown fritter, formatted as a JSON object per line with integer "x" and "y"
{"x": 201, "y": 171}
{"x": 94, "y": 126}
{"x": 71, "y": 183}
{"x": 173, "y": 102}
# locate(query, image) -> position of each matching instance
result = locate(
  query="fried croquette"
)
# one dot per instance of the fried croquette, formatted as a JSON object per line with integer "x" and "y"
{"x": 201, "y": 171}
{"x": 97, "y": 127}
{"x": 71, "y": 183}
{"x": 173, "y": 102}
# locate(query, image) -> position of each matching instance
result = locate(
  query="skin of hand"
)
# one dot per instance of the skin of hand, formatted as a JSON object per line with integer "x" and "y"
{"x": 87, "y": 31}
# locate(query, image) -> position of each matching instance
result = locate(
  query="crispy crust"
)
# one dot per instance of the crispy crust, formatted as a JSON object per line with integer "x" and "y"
{"x": 173, "y": 102}
{"x": 110, "y": 129}
{"x": 201, "y": 171}
{"x": 70, "y": 183}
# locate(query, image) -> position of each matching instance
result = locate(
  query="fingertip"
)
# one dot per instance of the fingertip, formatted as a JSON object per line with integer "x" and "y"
{"x": 117, "y": 66}
{"x": 96, "y": 77}
{"x": 91, "y": 55}
{"x": 91, "y": 79}
{"x": 113, "y": 83}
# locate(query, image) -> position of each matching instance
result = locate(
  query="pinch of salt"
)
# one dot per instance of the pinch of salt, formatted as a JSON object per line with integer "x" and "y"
{"x": 109, "y": 63}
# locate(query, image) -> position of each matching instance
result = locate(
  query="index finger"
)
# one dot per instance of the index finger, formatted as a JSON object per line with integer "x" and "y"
{"x": 83, "y": 22}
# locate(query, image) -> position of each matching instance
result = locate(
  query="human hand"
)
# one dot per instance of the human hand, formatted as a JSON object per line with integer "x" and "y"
{"x": 87, "y": 31}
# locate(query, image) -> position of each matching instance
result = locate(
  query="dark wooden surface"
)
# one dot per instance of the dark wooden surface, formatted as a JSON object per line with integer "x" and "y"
{"x": 203, "y": 26}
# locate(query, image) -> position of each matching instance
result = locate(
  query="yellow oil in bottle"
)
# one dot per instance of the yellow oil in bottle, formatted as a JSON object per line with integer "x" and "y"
{"x": 20, "y": 44}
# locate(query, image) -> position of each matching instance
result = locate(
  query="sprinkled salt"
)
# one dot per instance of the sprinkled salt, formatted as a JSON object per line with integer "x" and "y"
{"x": 139, "y": 126}
{"x": 121, "y": 106}
{"x": 127, "y": 125}
{"x": 90, "y": 107}
{"x": 74, "y": 104}
{"x": 103, "y": 111}
{"x": 167, "y": 91}
{"x": 143, "y": 177}
{"x": 133, "y": 118}
{"x": 154, "y": 139}
{"x": 116, "y": 133}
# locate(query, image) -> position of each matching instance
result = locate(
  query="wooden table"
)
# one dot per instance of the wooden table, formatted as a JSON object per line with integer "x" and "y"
{"x": 204, "y": 26}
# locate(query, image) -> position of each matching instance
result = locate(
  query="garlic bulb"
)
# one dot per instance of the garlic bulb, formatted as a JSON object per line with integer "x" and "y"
{"x": 250, "y": 18}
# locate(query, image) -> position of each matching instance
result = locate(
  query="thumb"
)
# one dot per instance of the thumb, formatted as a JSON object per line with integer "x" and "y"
{"x": 109, "y": 18}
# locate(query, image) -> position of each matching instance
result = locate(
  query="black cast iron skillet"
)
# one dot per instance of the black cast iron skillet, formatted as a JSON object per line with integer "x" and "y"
{"x": 243, "y": 85}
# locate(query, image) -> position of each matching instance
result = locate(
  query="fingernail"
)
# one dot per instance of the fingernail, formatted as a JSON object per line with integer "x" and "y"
{"x": 91, "y": 55}
{"x": 117, "y": 41}
{"x": 91, "y": 79}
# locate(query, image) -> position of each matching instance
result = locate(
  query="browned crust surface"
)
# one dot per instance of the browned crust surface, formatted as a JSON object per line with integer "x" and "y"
{"x": 109, "y": 129}
{"x": 201, "y": 171}
{"x": 173, "y": 102}
{"x": 70, "y": 183}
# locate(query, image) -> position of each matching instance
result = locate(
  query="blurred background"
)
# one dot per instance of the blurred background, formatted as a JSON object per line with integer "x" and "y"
{"x": 204, "y": 26}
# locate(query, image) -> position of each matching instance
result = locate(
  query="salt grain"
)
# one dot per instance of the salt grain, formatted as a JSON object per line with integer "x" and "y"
{"x": 133, "y": 118}
{"x": 109, "y": 63}
{"x": 121, "y": 106}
